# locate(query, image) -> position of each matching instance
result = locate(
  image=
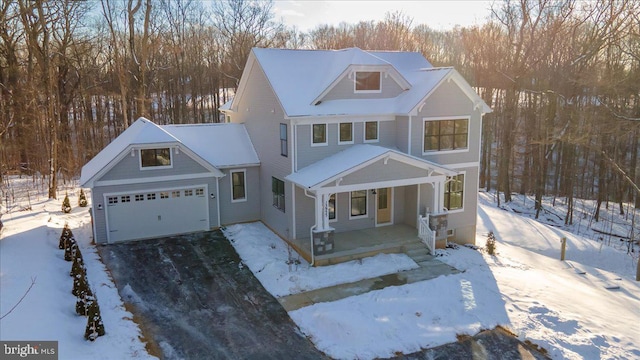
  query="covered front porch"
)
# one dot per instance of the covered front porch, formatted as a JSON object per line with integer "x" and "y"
{"x": 363, "y": 201}
{"x": 358, "y": 244}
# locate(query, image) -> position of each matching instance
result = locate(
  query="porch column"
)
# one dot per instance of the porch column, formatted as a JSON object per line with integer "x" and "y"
{"x": 322, "y": 236}
{"x": 438, "y": 194}
{"x": 322, "y": 211}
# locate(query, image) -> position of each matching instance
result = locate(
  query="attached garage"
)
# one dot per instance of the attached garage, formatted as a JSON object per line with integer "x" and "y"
{"x": 155, "y": 181}
{"x": 156, "y": 213}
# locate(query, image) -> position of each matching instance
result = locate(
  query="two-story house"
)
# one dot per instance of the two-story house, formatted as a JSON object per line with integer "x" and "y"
{"x": 354, "y": 139}
{"x": 347, "y": 141}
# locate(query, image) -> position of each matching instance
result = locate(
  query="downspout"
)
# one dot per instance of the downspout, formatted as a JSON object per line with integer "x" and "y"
{"x": 311, "y": 230}
{"x": 292, "y": 128}
{"x": 218, "y": 200}
{"x": 94, "y": 217}
{"x": 294, "y": 230}
{"x": 295, "y": 147}
{"x": 409, "y": 136}
{"x": 294, "y": 169}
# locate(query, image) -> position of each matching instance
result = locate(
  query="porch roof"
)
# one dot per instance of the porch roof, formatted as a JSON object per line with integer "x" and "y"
{"x": 353, "y": 159}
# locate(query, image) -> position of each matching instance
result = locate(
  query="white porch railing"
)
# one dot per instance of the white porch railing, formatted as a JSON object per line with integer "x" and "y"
{"x": 427, "y": 235}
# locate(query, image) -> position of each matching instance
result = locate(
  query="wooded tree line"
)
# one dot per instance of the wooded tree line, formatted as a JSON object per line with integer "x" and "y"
{"x": 563, "y": 78}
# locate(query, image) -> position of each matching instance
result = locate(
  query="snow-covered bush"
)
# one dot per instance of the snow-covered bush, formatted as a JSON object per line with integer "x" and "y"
{"x": 84, "y": 302}
{"x": 491, "y": 243}
{"x": 66, "y": 204}
{"x": 78, "y": 263}
{"x": 82, "y": 199}
{"x": 66, "y": 235}
{"x": 80, "y": 284}
{"x": 95, "y": 327}
{"x": 69, "y": 248}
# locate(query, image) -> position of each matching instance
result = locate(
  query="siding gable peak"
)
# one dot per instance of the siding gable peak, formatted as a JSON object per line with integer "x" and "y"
{"x": 350, "y": 73}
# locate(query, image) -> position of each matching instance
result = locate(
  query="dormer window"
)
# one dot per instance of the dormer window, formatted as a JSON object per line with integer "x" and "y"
{"x": 367, "y": 81}
{"x": 155, "y": 158}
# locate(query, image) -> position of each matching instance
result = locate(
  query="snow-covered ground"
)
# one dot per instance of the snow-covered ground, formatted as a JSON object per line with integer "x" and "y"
{"x": 29, "y": 250}
{"x": 283, "y": 272}
{"x": 525, "y": 287}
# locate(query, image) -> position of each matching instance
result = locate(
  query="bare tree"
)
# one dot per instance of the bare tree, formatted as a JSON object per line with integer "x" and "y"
{"x": 243, "y": 25}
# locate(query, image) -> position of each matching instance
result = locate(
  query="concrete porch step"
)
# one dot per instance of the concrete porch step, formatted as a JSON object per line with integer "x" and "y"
{"x": 417, "y": 251}
{"x": 422, "y": 258}
{"x": 414, "y": 245}
{"x": 355, "y": 254}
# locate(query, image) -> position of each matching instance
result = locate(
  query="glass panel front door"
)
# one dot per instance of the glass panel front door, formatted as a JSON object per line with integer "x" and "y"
{"x": 384, "y": 202}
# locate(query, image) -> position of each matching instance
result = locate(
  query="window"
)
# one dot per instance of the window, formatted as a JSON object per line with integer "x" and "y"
{"x": 358, "y": 203}
{"x": 367, "y": 81}
{"x": 151, "y": 196}
{"x": 238, "y": 190}
{"x": 446, "y": 134}
{"x": 155, "y": 157}
{"x": 284, "y": 148}
{"x": 371, "y": 131}
{"x": 332, "y": 207}
{"x": 319, "y": 134}
{"x": 188, "y": 192}
{"x": 125, "y": 198}
{"x": 164, "y": 195}
{"x": 346, "y": 133}
{"x": 277, "y": 188}
{"x": 175, "y": 194}
{"x": 200, "y": 192}
{"x": 112, "y": 199}
{"x": 139, "y": 197}
{"x": 453, "y": 193}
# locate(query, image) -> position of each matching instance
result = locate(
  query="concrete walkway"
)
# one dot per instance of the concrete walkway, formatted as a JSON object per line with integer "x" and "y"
{"x": 428, "y": 269}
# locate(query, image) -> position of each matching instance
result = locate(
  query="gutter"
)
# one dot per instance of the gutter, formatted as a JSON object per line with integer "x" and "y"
{"x": 315, "y": 226}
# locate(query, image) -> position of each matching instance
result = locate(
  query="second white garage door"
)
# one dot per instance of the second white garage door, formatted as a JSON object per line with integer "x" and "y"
{"x": 149, "y": 214}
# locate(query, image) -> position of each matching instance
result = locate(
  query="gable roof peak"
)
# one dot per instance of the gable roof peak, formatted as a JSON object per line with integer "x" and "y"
{"x": 301, "y": 78}
{"x": 357, "y": 56}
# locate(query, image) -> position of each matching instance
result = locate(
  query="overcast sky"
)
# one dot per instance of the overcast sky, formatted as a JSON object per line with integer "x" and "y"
{"x": 437, "y": 14}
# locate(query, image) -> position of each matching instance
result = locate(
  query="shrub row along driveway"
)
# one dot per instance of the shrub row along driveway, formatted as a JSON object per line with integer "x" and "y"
{"x": 195, "y": 300}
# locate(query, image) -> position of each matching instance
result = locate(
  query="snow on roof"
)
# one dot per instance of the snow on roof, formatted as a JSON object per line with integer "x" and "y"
{"x": 142, "y": 131}
{"x": 346, "y": 160}
{"x": 299, "y": 76}
{"x": 221, "y": 145}
{"x": 227, "y": 105}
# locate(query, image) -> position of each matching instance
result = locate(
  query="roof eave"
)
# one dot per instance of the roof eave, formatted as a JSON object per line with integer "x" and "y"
{"x": 235, "y": 166}
{"x": 390, "y": 153}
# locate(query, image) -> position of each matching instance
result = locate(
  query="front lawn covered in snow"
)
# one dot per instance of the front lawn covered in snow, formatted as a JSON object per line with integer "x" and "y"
{"x": 567, "y": 307}
{"x": 29, "y": 251}
{"x": 525, "y": 288}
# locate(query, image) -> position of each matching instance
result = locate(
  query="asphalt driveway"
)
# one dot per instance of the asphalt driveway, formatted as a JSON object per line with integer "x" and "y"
{"x": 195, "y": 300}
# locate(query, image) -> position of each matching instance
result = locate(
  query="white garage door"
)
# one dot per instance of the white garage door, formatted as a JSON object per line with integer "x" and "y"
{"x": 149, "y": 214}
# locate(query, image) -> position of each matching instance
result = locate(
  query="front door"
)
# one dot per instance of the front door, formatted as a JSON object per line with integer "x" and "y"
{"x": 384, "y": 201}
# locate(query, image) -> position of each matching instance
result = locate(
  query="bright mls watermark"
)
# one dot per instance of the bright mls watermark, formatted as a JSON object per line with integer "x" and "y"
{"x": 41, "y": 350}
